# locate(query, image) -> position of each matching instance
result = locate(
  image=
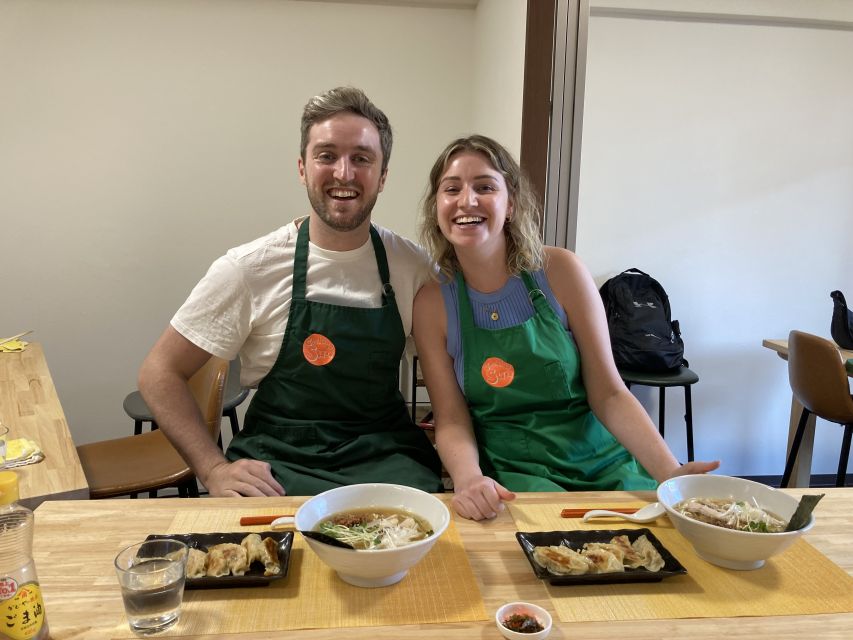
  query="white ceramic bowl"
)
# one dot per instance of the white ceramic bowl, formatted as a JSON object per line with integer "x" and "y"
{"x": 726, "y": 547}
{"x": 539, "y": 613}
{"x": 377, "y": 567}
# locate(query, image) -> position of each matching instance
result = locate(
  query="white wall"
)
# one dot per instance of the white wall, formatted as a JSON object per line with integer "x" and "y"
{"x": 719, "y": 158}
{"x": 498, "y": 82}
{"x": 141, "y": 139}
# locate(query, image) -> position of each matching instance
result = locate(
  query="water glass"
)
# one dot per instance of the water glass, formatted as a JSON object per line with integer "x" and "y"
{"x": 151, "y": 575}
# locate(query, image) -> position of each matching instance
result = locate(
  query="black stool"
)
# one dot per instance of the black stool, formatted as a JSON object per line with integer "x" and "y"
{"x": 135, "y": 406}
{"x": 684, "y": 377}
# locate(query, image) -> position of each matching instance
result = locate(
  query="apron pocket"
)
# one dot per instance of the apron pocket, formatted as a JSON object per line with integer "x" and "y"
{"x": 556, "y": 381}
{"x": 383, "y": 375}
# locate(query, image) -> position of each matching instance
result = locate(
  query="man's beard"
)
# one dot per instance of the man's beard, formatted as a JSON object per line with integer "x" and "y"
{"x": 318, "y": 203}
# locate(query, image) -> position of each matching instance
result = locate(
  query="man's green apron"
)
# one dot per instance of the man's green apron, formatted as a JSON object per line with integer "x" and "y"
{"x": 534, "y": 427}
{"x": 330, "y": 412}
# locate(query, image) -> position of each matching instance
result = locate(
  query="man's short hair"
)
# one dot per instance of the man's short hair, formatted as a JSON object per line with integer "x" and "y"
{"x": 341, "y": 100}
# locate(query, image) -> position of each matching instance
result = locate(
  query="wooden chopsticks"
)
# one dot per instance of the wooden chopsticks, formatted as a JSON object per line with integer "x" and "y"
{"x": 248, "y": 521}
{"x": 580, "y": 513}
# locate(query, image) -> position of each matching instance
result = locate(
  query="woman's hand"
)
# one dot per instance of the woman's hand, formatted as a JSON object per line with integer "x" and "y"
{"x": 695, "y": 467}
{"x": 480, "y": 498}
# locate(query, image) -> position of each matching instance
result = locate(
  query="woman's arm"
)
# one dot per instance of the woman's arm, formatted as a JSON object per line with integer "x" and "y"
{"x": 609, "y": 399}
{"x": 476, "y": 496}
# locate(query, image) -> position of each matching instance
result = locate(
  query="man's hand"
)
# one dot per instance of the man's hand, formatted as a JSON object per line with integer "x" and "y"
{"x": 480, "y": 498}
{"x": 242, "y": 478}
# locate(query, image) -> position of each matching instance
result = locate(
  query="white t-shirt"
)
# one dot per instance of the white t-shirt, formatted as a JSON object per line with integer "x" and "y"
{"x": 242, "y": 303}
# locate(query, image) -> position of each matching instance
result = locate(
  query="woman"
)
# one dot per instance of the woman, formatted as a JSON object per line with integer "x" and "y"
{"x": 506, "y": 338}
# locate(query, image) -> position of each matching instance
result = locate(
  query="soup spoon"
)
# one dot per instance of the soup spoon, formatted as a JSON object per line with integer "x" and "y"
{"x": 648, "y": 513}
{"x": 285, "y": 521}
{"x": 326, "y": 539}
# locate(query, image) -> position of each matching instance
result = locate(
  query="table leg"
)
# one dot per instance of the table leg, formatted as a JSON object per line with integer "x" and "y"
{"x": 801, "y": 476}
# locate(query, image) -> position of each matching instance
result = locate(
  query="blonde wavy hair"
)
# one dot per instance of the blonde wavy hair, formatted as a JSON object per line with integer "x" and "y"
{"x": 524, "y": 250}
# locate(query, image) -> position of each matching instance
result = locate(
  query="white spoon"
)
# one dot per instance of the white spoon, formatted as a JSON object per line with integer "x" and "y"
{"x": 281, "y": 522}
{"x": 648, "y": 513}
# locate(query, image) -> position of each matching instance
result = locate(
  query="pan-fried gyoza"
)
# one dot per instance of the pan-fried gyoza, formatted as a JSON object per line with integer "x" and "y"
{"x": 600, "y": 557}
{"x": 234, "y": 559}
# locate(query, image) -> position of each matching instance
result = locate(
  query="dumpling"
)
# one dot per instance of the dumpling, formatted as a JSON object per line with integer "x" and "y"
{"x": 561, "y": 560}
{"x": 254, "y": 548}
{"x": 272, "y": 566}
{"x": 603, "y": 561}
{"x": 196, "y": 563}
{"x": 610, "y": 547}
{"x": 264, "y": 551}
{"x": 651, "y": 559}
{"x": 226, "y": 558}
{"x": 630, "y": 557}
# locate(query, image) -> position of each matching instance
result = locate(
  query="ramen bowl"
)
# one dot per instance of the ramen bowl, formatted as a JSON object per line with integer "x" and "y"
{"x": 373, "y": 567}
{"x": 723, "y": 547}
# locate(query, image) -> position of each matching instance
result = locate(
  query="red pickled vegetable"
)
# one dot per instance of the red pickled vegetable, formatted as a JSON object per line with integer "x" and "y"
{"x": 522, "y": 623}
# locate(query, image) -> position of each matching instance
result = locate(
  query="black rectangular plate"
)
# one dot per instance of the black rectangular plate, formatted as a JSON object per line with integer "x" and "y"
{"x": 576, "y": 539}
{"x": 254, "y": 577}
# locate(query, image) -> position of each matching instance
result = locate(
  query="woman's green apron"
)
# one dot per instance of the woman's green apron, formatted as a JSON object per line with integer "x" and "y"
{"x": 534, "y": 427}
{"x": 330, "y": 412}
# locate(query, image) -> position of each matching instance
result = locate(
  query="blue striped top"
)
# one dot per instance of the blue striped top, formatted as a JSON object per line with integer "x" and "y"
{"x": 511, "y": 304}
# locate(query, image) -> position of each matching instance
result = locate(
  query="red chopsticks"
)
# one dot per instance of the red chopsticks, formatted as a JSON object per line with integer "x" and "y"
{"x": 579, "y": 513}
{"x": 248, "y": 521}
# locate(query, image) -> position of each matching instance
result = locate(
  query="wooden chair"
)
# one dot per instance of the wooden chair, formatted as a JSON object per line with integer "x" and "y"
{"x": 137, "y": 409}
{"x": 819, "y": 382}
{"x": 148, "y": 462}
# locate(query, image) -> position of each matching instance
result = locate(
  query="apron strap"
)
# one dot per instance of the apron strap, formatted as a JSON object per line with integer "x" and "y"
{"x": 382, "y": 264}
{"x": 466, "y": 315}
{"x": 536, "y": 295}
{"x": 300, "y": 263}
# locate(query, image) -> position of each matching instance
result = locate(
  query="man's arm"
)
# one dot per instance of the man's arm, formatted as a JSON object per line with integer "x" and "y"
{"x": 163, "y": 384}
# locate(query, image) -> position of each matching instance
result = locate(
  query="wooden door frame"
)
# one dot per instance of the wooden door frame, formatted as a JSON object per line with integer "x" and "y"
{"x": 536, "y": 105}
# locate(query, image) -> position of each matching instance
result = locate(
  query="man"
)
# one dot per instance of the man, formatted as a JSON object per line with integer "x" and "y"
{"x": 318, "y": 312}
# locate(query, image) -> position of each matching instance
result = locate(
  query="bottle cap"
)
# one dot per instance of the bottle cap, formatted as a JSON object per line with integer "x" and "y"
{"x": 8, "y": 487}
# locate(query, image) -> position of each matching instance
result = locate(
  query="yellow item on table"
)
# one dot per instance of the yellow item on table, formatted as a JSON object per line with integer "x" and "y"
{"x": 14, "y": 343}
{"x": 21, "y": 451}
{"x": 13, "y": 346}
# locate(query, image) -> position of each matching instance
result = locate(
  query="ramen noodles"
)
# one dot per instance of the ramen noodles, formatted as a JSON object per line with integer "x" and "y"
{"x": 375, "y": 528}
{"x": 729, "y": 513}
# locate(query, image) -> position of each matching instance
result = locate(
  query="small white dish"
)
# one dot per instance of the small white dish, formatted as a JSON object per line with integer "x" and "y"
{"x": 523, "y": 608}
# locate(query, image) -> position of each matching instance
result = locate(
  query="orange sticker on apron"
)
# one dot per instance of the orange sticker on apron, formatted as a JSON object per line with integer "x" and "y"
{"x": 318, "y": 350}
{"x": 497, "y": 373}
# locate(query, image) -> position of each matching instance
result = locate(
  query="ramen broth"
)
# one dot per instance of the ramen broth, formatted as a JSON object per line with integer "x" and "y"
{"x": 375, "y": 527}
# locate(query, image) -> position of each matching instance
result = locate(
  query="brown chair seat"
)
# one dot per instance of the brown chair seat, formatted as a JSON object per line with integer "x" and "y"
{"x": 133, "y": 464}
{"x": 149, "y": 462}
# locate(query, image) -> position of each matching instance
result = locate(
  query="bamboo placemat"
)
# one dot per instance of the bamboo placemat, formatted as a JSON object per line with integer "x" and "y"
{"x": 799, "y": 581}
{"x": 441, "y": 588}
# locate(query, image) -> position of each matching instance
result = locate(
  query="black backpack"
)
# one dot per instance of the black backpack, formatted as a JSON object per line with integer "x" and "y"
{"x": 642, "y": 333}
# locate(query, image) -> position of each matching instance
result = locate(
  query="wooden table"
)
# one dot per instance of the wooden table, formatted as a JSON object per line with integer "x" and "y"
{"x": 801, "y": 475}
{"x": 76, "y": 541}
{"x": 30, "y": 408}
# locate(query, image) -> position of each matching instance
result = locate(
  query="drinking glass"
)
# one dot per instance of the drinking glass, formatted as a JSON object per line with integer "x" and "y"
{"x": 151, "y": 575}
